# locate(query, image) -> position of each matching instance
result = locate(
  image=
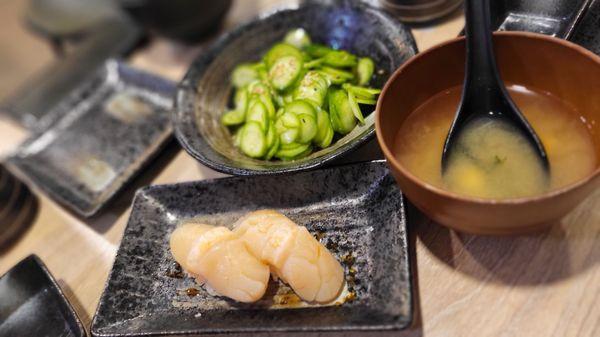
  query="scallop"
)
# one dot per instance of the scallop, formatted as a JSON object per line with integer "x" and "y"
{"x": 215, "y": 256}
{"x": 183, "y": 238}
{"x": 293, "y": 253}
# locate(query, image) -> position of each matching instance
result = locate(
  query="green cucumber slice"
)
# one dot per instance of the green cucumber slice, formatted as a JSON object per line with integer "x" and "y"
{"x": 317, "y": 50}
{"x": 273, "y": 149}
{"x": 364, "y": 70}
{"x": 313, "y": 87}
{"x": 337, "y": 76}
{"x": 257, "y": 112}
{"x": 244, "y": 74}
{"x": 291, "y": 151}
{"x": 299, "y": 106}
{"x": 253, "y": 140}
{"x": 308, "y": 128}
{"x": 233, "y": 117}
{"x": 341, "y": 114}
{"x": 298, "y": 38}
{"x": 339, "y": 59}
{"x": 280, "y": 50}
{"x": 289, "y": 136}
{"x": 285, "y": 71}
{"x": 325, "y": 132}
{"x": 355, "y": 108}
{"x": 290, "y": 120}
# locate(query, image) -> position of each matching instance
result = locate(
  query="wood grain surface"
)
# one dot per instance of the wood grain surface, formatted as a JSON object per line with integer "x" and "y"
{"x": 539, "y": 285}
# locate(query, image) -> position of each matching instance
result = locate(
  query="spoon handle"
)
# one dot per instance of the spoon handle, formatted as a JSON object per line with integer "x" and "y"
{"x": 481, "y": 71}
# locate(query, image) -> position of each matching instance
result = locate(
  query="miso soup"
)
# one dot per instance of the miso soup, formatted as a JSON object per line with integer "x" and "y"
{"x": 493, "y": 160}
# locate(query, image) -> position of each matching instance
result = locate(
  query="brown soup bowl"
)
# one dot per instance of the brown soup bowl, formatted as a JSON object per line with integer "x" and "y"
{"x": 564, "y": 69}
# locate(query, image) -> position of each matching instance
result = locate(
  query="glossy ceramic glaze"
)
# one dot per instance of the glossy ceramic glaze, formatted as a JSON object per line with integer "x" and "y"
{"x": 204, "y": 93}
{"x": 532, "y": 60}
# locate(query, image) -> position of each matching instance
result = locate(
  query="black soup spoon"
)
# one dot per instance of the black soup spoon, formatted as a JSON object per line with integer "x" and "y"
{"x": 484, "y": 94}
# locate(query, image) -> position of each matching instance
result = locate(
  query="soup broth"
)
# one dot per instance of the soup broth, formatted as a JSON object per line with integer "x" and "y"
{"x": 492, "y": 160}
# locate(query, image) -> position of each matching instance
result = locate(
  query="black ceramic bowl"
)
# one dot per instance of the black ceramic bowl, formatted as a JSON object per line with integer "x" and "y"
{"x": 204, "y": 92}
{"x": 187, "y": 20}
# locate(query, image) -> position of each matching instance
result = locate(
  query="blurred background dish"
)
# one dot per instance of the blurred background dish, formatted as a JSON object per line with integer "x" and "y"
{"x": 204, "y": 93}
{"x": 110, "y": 127}
{"x": 420, "y": 11}
{"x": 186, "y": 20}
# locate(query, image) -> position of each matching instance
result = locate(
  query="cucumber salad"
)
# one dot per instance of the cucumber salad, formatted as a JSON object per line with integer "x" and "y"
{"x": 297, "y": 98}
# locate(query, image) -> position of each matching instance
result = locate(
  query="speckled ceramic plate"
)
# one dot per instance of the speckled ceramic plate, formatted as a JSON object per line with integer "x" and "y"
{"x": 112, "y": 125}
{"x": 355, "y": 210}
{"x": 32, "y": 304}
{"x": 204, "y": 92}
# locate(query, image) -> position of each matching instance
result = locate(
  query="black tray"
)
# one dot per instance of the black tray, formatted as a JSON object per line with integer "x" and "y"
{"x": 110, "y": 127}
{"x": 32, "y": 304}
{"x": 356, "y": 208}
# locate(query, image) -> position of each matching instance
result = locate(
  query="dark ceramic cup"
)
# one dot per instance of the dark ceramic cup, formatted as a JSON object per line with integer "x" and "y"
{"x": 204, "y": 93}
{"x": 564, "y": 69}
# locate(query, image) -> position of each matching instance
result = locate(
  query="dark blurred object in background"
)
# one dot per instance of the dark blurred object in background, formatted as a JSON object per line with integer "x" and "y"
{"x": 185, "y": 20}
{"x": 60, "y": 21}
{"x": 419, "y": 11}
{"x": 18, "y": 207}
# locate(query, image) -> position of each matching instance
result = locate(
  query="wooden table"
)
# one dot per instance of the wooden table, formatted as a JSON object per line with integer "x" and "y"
{"x": 543, "y": 285}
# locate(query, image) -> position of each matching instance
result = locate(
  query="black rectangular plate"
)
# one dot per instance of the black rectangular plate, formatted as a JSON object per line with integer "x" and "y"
{"x": 587, "y": 32}
{"x": 32, "y": 304}
{"x": 550, "y": 17}
{"x": 357, "y": 208}
{"x": 111, "y": 126}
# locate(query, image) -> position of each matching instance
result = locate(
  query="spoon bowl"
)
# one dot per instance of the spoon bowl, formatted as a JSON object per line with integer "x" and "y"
{"x": 484, "y": 95}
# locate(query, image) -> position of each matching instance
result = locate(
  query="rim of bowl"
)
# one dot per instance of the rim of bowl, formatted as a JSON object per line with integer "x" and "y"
{"x": 391, "y": 159}
{"x": 188, "y": 84}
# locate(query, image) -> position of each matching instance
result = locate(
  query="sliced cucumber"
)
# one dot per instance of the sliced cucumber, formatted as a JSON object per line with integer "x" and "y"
{"x": 253, "y": 142}
{"x": 285, "y": 71}
{"x": 339, "y": 59}
{"x": 291, "y": 151}
{"x": 290, "y": 120}
{"x": 341, "y": 114}
{"x": 298, "y": 38}
{"x": 240, "y": 99}
{"x": 268, "y": 103}
{"x": 313, "y": 87}
{"x": 280, "y": 50}
{"x": 237, "y": 137}
{"x": 301, "y": 106}
{"x": 364, "y": 70}
{"x": 271, "y": 135}
{"x": 317, "y": 50}
{"x": 325, "y": 132}
{"x": 289, "y": 136}
{"x": 273, "y": 149}
{"x": 257, "y": 112}
{"x": 258, "y": 88}
{"x": 336, "y": 76}
{"x": 362, "y": 92}
{"x": 244, "y": 74}
{"x": 355, "y": 108}
{"x": 308, "y": 128}
{"x": 233, "y": 117}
